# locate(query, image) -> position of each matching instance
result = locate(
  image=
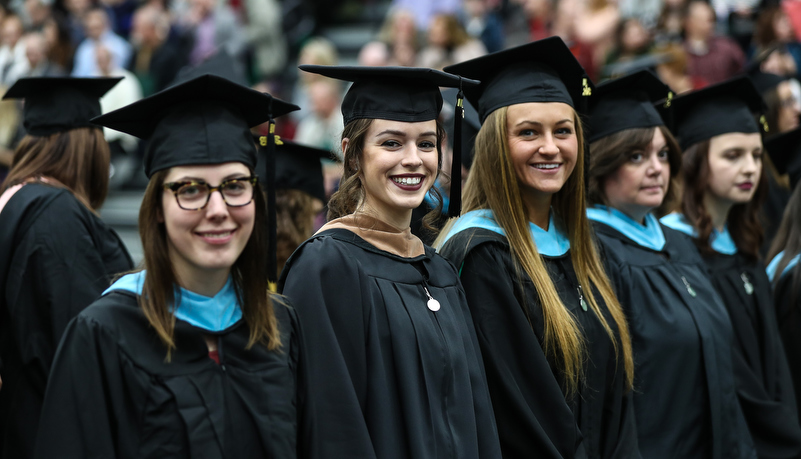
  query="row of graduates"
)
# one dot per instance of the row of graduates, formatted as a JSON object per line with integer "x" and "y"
{"x": 540, "y": 328}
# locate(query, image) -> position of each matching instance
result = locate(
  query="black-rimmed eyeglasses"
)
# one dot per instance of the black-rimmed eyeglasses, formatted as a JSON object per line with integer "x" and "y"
{"x": 195, "y": 195}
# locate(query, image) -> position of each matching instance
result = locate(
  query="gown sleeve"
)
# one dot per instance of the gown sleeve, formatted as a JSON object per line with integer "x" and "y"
{"x": 788, "y": 315}
{"x": 530, "y": 408}
{"x": 80, "y": 403}
{"x": 58, "y": 273}
{"x": 324, "y": 285}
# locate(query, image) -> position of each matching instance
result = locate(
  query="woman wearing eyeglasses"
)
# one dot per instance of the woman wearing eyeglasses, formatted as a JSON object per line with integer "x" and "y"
{"x": 190, "y": 356}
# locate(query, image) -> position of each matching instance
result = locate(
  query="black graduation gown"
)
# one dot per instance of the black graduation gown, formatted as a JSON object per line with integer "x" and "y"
{"x": 685, "y": 401}
{"x": 113, "y": 395}
{"x": 788, "y": 315}
{"x": 56, "y": 258}
{"x": 534, "y": 419}
{"x": 764, "y": 384}
{"x": 772, "y": 211}
{"x": 388, "y": 378}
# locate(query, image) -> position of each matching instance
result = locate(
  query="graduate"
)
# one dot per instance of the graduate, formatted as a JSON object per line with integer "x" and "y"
{"x": 723, "y": 188}
{"x": 553, "y": 336}
{"x": 299, "y": 194}
{"x": 190, "y": 356}
{"x": 785, "y": 252}
{"x": 684, "y": 386}
{"x": 396, "y": 369}
{"x": 56, "y": 255}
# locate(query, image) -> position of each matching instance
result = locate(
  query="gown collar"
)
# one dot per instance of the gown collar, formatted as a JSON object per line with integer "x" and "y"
{"x": 381, "y": 235}
{"x": 649, "y": 236}
{"x": 551, "y": 243}
{"x": 721, "y": 241}
{"x": 774, "y": 265}
{"x": 213, "y": 314}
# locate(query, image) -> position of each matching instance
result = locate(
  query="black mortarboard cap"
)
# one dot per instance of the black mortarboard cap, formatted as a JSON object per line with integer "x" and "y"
{"x": 626, "y": 103}
{"x": 205, "y": 120}
{"x": 56, "y": 104}
{"x": 405, "y": 94}
{"x": 719, "y": 109}
{"x": 298, "y": 167}
{"x": 765, "y": 81}
{"x": 542, "y": 71}
{"x": 785, "y": 152}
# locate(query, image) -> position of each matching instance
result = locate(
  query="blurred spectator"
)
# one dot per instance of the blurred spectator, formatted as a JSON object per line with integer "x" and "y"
{"x": 36, "y": 52}
{"x": 564, "y": 25}
{"x": 76, "y": 14}
{"x": 123, "y": 147}
{"x": 483, "y": 24}
{"x": 13, "y": 63}
{"x": 538, "y": 14}
{"x": 775, "y": 59}
{"x": 632, "y": 40}
{"x": 374, "y": 54}
{"x": 399, "y": 32}
{"x": 448, "y": 43}
{"x": 316, "y": 51}
{"x": 266, "y": 37}
{"x": 595, "y": 26}
{"x": 737, "y": 18}
{"x": 645, "y": 11}
{"x": 672, "y": 69}
{"x": 773, "y": 27}
{"x": 713, "y": 58}
{"x": 425, "y": 10}
{"x": 98, "y": 33}
{"x": 210, "y": 26}
{"x": 36, "y": 13}
{"x": 156, "y": 60}
{"x": 670, "y": 25}
{"x": 322, "y": 126}
{"x": 121, "y": 13}
{"x": 59, "y": 45}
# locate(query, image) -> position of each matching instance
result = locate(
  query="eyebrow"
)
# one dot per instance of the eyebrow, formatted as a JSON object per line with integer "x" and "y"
{"x": 537, "y": 123}
{"x": 403, "y": 134}
{"x": 198, "y": 179}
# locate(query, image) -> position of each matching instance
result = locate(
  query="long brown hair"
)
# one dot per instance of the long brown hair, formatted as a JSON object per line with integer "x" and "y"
{"x": 609, "y": 153}
{"x": 295, "y": 212}
{"x": 492, "y": 184}
{"x": 351, "y": 192}
{"x": 249, "y": 272}
{"x": 77, "y": 159}
{"x": 743, "y": 219}
{"x": 788, "y": 239}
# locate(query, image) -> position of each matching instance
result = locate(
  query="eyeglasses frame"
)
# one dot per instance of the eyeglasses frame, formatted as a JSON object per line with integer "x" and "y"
{"x": 176, "y": 186}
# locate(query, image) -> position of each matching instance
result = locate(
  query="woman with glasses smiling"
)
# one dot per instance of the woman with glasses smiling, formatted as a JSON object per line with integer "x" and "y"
{"x": 190, "y": 356}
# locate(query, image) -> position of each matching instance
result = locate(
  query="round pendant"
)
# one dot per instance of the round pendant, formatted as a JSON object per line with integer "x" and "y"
{"x": 433, "y": 305}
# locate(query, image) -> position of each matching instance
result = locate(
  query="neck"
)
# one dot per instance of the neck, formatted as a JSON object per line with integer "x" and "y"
{"x": 397, "y": 217}
{"x": 206, "y": 283}
{"x": 636, "y": 215}
{"x": 718, "y": 209}
{"x": 539, "y": 209}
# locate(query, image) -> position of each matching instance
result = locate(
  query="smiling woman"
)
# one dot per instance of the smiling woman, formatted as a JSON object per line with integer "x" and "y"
{"x": 191, "y": 354}
{"x": 396, "y": 370}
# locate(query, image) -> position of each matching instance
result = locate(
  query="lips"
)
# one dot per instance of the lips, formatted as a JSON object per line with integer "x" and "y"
{"x": 217, "y": 236}
{"x": 408, "y": 182}
{"x": 745, "y": 186}
{"x": 547, "y": 166}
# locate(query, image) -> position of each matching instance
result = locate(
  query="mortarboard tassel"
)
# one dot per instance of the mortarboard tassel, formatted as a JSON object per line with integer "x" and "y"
{"x": 455, "y": 204}
{"x": 586, "y": 92}
{"x": 669, "y": 122}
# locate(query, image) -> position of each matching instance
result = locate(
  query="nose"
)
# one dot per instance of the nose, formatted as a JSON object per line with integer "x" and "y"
{"x": 655, "y": 166}
{"x": 751, "y": 166}
{"x": 216, "y": 209}
{"x": 411, "y": 157}
{"x": 549, "y": 146}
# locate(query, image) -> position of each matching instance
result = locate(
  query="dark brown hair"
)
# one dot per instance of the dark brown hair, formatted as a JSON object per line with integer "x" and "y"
{"x": 78, "y": 159}
{"x": 609, "y": 153}
{"x": 743, "y": 219}
{"x": 788, "y": 239}
{"x": 351, "y": 193}
{"x": 764, "y": 32}
{"x": 249, "y": 272}
{"x": 295, "y": 212}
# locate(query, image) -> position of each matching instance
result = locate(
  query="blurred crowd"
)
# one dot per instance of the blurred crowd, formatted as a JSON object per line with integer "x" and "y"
{"x": 689, "y": 43}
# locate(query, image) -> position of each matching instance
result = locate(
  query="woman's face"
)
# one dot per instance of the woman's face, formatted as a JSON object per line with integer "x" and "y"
{"x": 543, "y": 147}
{"x": 789, "y": 109}
{"x": 640, "y": 184}
{"x": 735, "y": 165}
{"x": 206, "y": 241}
{"x": 398, "y": 166}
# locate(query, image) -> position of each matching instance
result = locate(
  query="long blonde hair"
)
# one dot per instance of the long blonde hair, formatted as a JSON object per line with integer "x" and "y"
{"x": 563, "y": 340}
